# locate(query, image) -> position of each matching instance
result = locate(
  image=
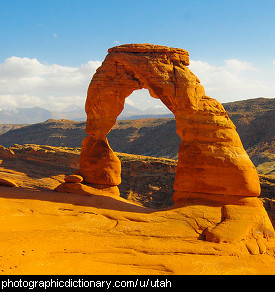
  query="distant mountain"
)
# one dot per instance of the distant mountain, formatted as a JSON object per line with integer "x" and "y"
{"x": 150, "y": 137}
{"x": 133, "y": 113}
{"x": 72, "y": 112}
{"x": 254, "y": 119}
{"x": 148, "y": 116}
{"x": 24, "y": 115}
{"x": 7, "y": 127}
{"x": 255, "y": 123}
{"x": 129, "y": 111}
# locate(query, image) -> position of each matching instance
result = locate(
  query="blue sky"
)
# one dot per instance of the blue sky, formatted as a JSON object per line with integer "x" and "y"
{"x": 233, "y": 39}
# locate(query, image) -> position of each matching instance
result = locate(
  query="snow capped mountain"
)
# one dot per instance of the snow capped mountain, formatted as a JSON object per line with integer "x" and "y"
{"x": 71, "y": 112}
{"x": 24, "y": 115}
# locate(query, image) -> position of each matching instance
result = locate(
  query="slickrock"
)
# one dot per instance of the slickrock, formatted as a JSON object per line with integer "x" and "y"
{"x": 89, "y": 229}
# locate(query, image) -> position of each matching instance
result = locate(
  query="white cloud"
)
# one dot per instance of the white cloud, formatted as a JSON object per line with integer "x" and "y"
{"x": 237, "y": 65}
{"x": 141, "y": 99}
{"x": 26, "y": 82}
{"x": 129, "y": 101}
{"x": 235, "y": 80}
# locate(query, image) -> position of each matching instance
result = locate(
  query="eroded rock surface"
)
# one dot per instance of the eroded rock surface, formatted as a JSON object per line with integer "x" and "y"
{"x": 65, "y": 234}
{"x": 211, "y": 160}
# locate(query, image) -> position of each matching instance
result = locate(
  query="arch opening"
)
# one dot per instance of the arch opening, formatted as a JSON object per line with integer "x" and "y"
{"x": 140, "y": 105}
{"x": 145, "y": 140}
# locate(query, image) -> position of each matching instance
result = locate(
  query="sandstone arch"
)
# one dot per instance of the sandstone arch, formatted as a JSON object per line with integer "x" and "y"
{"x": 212, "y": 160}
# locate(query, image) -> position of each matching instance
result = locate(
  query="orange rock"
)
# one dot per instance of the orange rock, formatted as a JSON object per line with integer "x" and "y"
{"x": 212, "y": 159}
{"x": 72, "y": 234}
{"x": 73, "y": 178}
{"x": 69, "y": 187}
{"x": 7, "y": 182}
{"x": 98, "y": 163}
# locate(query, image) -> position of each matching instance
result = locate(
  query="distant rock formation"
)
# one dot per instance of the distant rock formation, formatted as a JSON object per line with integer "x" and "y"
{"x": 58, "y": 156}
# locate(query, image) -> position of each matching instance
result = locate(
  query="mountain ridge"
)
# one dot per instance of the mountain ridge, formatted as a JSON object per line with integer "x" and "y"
{"x": 74, "y": 112}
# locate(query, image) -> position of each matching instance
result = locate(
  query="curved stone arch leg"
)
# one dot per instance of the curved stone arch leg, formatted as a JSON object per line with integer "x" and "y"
{"x": 105, "y": 100}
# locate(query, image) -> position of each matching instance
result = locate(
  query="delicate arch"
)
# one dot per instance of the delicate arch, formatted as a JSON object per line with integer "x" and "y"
{"x": 211, "y": 159}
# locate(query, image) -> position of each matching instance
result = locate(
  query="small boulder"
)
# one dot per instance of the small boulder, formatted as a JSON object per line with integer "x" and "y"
{"x": 7, "y": 182}
{"x": 74, "y": 179}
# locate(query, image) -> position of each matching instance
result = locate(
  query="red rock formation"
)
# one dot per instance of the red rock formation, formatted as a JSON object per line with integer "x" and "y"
{"x": 213, "y": 168}
{"x": 212, "y": 159}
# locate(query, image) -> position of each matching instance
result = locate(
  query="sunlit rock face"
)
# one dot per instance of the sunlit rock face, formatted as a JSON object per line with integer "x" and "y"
{"x": 211, "y": 157}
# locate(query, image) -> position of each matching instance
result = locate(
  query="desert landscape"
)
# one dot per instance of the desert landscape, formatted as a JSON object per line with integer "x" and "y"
{"x": 177, "y": 196}
{"x": 47, "y": 232}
